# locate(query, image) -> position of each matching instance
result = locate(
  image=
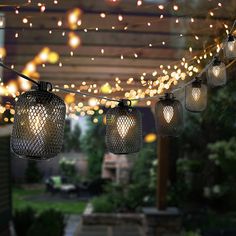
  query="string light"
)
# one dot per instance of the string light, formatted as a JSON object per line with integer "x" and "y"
{"x": 74, "y": 40}
{"x": 139, "y": 3}
{"x": 120, "y": 18}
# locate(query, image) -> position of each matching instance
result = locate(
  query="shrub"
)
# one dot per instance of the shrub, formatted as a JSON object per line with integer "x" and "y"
{"x": 48, "y": 223}
{"x": 23, "y": 219}
{"x": 103, "y": 204}
{"x": 32, "y": 173}
{"x": 67, "y": 168}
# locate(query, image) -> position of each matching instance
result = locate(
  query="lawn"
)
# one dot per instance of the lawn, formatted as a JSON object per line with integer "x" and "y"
{"x": 21, "y": 196}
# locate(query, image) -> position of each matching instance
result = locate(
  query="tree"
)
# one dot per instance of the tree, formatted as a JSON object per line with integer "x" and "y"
{"x": 72, "y": 138}
{"x": 93, "y": 144}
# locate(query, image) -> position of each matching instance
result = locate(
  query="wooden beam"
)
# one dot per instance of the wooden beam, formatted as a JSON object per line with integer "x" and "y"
{"x": 162, "y": 171}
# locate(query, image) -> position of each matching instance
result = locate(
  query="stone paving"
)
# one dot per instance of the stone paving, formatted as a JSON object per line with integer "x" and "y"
{"x": 118, "y": 230}
{"x": 72, "y": 224}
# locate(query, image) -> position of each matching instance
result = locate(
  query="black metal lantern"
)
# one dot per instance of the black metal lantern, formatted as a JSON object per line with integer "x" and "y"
{"x": 123, "y": 129}
{"x": 230, "y": 47}
{"x": 196, "y": 96}
{"x": 169, "y": 116}
{"x": 38, "y": 124}
{"x": 216, "y": 73}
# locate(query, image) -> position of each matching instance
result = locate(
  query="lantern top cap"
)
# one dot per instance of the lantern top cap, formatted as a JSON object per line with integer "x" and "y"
{"x": 125, "y": 103}
{"x": 43, "y": 86}
{"x": 230, "y": 38}
{"x": 168, "y": 96}
{"x": 197, "y": 83}
{"x": 216, "y": 61}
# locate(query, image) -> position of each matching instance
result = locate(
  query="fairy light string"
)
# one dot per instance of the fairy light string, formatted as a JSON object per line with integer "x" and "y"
{"x": 72, "y": 91}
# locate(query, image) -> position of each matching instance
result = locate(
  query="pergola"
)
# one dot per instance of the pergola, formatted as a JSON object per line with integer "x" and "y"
{"x": 119, "y": 39}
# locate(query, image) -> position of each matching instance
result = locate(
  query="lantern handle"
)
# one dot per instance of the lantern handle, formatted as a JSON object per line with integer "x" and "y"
{"x": 45, "y": 86}
{"x": 125, "y": 102}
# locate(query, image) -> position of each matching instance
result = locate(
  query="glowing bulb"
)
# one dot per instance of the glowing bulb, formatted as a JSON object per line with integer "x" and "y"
{"x": 168, "y": 113}
{"x": 231, "y": 45}
{"x": 37, "y": 119}
{"x": 216, "y": 71}
{"x": 74, "y": 40}
{"x": 196, "y": 93}
{"x": 124, "y": 123}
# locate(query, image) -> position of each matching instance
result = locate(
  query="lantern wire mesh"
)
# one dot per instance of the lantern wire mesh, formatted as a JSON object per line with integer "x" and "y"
{"x": 169, "y": 116}
{"x": 196, "y": 96}
{"x": 38, "y": 125}
{"x": 123, "y": 129}
{"x": 230, "y": 47}
{"x": 216, "y": 73}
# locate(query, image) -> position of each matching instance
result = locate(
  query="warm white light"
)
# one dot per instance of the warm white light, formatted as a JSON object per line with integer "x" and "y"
{"x": 37, "y": 122}
{"x": 25, "y": 20}
{"x": 30, "y": 67}
{"x": 124, "y": 123}
{"x": 92, "y": 102}
{"x": 120, "y": 17}
{"x": 168, "y": 113}
{"x": 196, "y": 93}
{"x": 216, "y": 71}
{"x": 74, "y": 40}
{"x": 231, "y": 45}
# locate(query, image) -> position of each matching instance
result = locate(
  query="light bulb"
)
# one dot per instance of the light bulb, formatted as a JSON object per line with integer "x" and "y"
{"x": 124, "y": 123}
{"x": 196, "y": 93}
{"x": 37, "y": 118}
{"x": 216, "y": 71}
{"x": 168, "y": 113}
{"x": 231, "y": 45}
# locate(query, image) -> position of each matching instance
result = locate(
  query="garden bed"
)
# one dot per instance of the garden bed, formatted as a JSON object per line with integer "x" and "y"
{"x": 91, "y": 218}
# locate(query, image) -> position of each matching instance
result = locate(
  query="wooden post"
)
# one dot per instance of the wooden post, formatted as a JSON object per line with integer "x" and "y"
{"x": 163, "y": 145}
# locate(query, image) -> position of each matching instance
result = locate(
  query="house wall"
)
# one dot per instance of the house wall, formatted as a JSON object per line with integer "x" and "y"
{"x": 5, "y": 184}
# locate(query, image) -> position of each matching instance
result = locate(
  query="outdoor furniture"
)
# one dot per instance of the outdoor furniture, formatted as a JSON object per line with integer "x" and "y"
{"x": 67, "y": 189}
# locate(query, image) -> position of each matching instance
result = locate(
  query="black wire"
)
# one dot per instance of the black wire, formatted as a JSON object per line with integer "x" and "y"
{"x": 19, "y": 74}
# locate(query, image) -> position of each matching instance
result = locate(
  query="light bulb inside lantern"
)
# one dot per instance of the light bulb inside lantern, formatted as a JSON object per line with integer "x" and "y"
{"x": 124, "y": 123}
{"x": 231, "y": 45}
{"x": 196, "y": 93}
{"x": 168, "y": 113}
{"x": 216, "y": 71}
{"x": 37, "y": 118}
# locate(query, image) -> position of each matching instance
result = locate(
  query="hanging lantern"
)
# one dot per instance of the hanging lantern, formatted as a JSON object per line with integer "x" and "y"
{"x": 38, "y": 125}
{"x": 169, "y": 116}
{"x": 123, "y": 129}
{"x": 216, "y": 74}
{"x": 230, "y": 47}
{"x": 196, "y": 96}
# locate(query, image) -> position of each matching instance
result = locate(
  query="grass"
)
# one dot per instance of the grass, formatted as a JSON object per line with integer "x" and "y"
{"x": 20, "y": 200}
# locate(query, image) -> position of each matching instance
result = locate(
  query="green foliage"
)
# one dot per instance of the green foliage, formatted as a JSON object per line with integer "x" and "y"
{"x": 206, "y": 169}
{"x": 32, "y": 173}
{"x": 67, "y": 168}
{"x": 103, "y": 204}
{"x": 23, "y": 198}
{"x": 48, "y": 223}
{"x": 23, "y": 219}
{"x": 141, "y": 190}
{"x": 190, "y": 233}
{"x": 93, "y": 144}
{"x": 72, "y": 138}
{"x": 223, "y": 154}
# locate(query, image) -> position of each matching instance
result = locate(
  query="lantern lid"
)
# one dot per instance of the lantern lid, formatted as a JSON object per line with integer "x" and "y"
{"x": 230, "y": 38}
{"x": 168, "y": 96}
{"x": 216, "y": 61}
{"x": 197, "y": 83}
{"x": 125, "y": 103}
{"x": 42, "y": 86}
